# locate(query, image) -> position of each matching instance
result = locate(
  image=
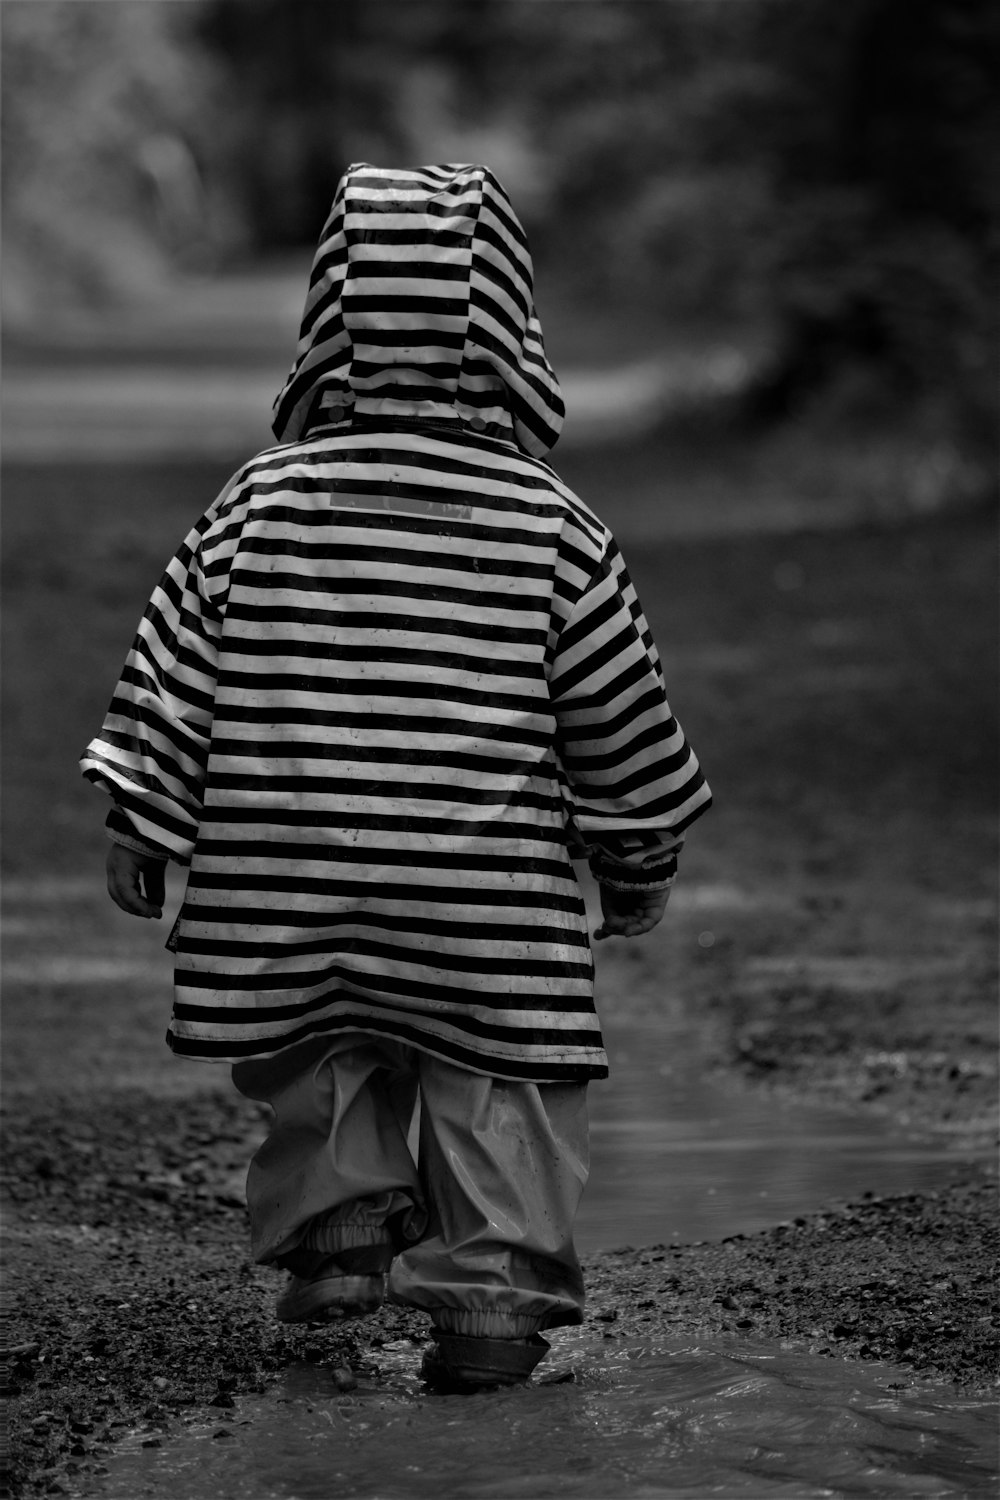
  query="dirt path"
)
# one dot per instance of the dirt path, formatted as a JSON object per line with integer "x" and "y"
{"x": 132, "y": 1302}
{"x": 133, "y": 1307}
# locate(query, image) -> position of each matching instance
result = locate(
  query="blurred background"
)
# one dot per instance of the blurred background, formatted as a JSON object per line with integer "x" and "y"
{"x": 765, "y": 236}
{"x": 774, "y": 213}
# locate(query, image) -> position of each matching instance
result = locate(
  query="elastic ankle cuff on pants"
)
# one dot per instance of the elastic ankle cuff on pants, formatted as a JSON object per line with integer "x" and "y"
{"x": 361, "y": 1260}
{"x": 332, "y": 1237}
{"x": 485, "y": 1322}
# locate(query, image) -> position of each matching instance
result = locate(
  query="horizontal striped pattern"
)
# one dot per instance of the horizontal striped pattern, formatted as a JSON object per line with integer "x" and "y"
{"x": 378, "y": 684}
{"x": 420, "y": 304}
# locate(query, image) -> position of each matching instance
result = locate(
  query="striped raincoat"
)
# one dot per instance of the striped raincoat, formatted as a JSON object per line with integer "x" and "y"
{"x": 390, "y": 670}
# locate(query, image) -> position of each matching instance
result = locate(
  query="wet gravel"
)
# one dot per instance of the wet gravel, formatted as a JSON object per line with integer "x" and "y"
{"x": 132, "y": 1305}
{"x": 908, "y": 1280}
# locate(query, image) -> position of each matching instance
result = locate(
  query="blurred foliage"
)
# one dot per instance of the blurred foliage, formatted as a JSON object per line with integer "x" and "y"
{"x": 812, "y": 178}
{"x": 106, "y": 109}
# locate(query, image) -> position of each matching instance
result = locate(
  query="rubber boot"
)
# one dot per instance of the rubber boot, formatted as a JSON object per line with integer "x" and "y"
{"x": 460, "y": 1364}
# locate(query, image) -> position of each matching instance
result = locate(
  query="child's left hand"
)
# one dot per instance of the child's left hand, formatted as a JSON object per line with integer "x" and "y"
{"x": 126, "y": 869}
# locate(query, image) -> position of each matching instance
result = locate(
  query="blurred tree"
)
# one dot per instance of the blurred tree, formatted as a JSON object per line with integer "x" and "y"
{"x": 315, "y": 84}
{"x": 104, "y": 104}
{"x": 289, "y": 70}
{"x": 883, "y": 134}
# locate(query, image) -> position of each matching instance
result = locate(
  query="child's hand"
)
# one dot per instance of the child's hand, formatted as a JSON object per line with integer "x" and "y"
{"x": 630, "y": 913}
{"x": 125, "y": 869}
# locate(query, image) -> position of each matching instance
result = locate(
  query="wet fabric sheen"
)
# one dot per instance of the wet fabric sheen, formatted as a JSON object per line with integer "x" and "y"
{"x": 483, "y": 1214}
{"x": 395, "y": 672}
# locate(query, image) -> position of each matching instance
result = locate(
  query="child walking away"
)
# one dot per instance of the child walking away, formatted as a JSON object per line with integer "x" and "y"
{"x": 392, "y": 681}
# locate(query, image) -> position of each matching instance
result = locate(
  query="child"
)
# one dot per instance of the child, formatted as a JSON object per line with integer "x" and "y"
{"x": 393, "y": 679}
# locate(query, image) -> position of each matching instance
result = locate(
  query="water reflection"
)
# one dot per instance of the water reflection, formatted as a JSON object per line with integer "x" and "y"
{"x": 675, "y": 1156}
{"x": 643, "y": 1418}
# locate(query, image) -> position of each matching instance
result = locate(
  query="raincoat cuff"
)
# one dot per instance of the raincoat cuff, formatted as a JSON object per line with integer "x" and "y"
{"x": 635, "y": 851}
{"x": 120, "y": 831}
{"x": 654, "y": 874}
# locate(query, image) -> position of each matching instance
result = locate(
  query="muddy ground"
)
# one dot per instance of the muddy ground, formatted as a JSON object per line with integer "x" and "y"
{"x": 132, "y": 1303}
{"x": 838, "y": 943}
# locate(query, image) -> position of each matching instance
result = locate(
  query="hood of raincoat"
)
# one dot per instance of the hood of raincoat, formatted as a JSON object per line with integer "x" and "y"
{"x": 420, "y": 305}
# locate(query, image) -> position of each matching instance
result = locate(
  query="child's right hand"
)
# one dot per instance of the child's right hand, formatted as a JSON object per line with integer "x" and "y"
{"x": 126, "y": 869}
{"x": 630, "y": 913}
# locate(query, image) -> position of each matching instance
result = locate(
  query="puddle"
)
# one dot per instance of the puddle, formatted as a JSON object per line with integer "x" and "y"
{"x": 641, "y": 1418}
{"x": 677, "y": 1156}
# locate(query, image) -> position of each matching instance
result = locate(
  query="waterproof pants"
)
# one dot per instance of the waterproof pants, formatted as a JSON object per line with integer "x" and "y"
{"x": 477, "y": 1221}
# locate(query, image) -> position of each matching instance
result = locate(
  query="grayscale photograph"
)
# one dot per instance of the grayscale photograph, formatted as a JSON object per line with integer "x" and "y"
{"x": 500, "y": 579}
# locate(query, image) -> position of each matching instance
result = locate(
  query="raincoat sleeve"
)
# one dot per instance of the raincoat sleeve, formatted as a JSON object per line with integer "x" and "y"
{"x": 628, "y": 765}
{"x": 152, "y": 751}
